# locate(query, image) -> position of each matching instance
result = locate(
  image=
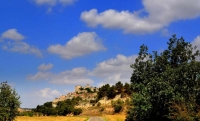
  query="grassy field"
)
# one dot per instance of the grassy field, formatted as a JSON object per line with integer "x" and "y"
{"x": 49, "y": 118}
{"x": 119, "y": 117}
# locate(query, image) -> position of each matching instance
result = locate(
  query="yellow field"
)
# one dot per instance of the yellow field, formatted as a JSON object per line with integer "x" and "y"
{"x": 49, "y": 118}
{"x": 118, "y": 117}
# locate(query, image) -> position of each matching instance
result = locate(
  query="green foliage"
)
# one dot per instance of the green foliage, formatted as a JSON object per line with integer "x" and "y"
{"x": 119, "y": 87}
{"x": 62, "y": 109}
{"x": 88, "y": 90}
{"x": 111, "y": 92}
{"x": 9, "y": 102}
{"x": 98, "y": 104}
{"x": 127, "y": 89}
{"x": 26, "y": 113}
{"x": 77, "y": 111}
{"x": 93, "y": 101}
{"x": 103, "y": 91}
{"x": 117, "y": 105}
{"x": 102, "y": 109}
{"x": 160, "y": 80}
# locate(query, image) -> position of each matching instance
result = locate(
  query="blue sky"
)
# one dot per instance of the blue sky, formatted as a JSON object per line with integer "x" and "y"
{"x": 49, "y": 46}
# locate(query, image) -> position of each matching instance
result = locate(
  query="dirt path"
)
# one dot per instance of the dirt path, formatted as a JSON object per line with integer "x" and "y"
{"x": 95, "y": 119}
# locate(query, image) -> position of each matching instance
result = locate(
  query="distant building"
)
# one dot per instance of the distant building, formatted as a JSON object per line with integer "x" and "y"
{"x": 80, "y": 91}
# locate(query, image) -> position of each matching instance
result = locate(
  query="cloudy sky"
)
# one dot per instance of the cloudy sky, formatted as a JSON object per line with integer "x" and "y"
{"x": 49, "y": 46}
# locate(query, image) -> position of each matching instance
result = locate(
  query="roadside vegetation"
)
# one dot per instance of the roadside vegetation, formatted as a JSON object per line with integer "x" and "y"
{"x": 166, "y": 85}
{"x": 63, "y": 108}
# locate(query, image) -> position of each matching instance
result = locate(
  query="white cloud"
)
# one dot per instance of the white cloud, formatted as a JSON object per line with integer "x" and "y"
{"x": 22, "y": 47}
{"x": 160, "y": 13}
{"x": 109, "y": 71}
{"x": 82, "y": 44}
{"x": 73, "y": 77}
{"x": 12, "y": 34}
{"x": 45, "y": 67}
{"x": 17, "y": 45}
{"x": 196, "y": 42}
{"x": 47, "y": 93}
{"x": 40, "y": 76}
{"x": 115, "y": 69}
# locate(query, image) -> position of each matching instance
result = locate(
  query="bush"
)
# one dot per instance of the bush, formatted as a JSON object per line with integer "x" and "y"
{"x": 26, "y": 113}
{"x": 92, "y": 101}
{"x": 117, "y": 105}
{"x": 102, "y": 109}
{"x": 117, "y": 108}
{"x": 98, "y": 104}
{"x": 77, "y": 111}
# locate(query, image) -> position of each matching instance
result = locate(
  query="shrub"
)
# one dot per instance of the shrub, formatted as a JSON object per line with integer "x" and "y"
{"x": 102, "y": 109}
{"x": 117, "y": 105}
{"x": 77, "y": 111}
{"x": 98, "y": 104}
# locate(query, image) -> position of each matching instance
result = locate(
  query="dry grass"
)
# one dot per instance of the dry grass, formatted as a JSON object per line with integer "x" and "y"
{"x": 116, "y": 117}
{"x": 49, "y": 118}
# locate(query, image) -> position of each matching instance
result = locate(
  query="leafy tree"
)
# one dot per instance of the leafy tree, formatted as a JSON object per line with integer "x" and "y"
{"x": 103, "y": 91}
{"x": 26, "y": 113}
{"x": 77, "y": 111}
{"x": 9, "y": 102}
{"x": 111, "y": 93}
{"x": 161, "y": 80}
{"x": 127, "y": 89}
{"x": 117, "y": 105}
{"x": 119, "y": 87}
{"x": 88, "y": 90}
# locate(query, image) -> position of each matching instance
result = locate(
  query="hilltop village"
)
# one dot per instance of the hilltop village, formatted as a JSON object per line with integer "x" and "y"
{"x": 88, "y": 99}
{"x": 87, "y": 93}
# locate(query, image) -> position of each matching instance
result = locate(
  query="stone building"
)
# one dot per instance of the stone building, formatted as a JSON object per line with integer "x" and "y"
{"x": 80, "y": 91}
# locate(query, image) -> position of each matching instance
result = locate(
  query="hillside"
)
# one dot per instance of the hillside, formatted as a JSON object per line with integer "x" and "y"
{"x": 88, "y": 100}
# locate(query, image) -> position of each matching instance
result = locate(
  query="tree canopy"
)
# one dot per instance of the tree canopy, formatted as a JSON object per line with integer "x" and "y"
{"x": 166, "y": 83}
{"x": 63, "y": 108}
{"x": 9, "y": 102}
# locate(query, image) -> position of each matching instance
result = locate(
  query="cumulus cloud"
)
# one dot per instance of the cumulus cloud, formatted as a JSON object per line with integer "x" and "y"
{"x": 73, "y": 77}
{"x": 12, "y": 34}
{"x": 196, "y": 42}
{"x": 160, "y": 13}
{"x": 115, "y": 69}
{"x": 45, "y": 67}
{"x": 22, "y": 47}
{"x": 82, "y": 44}
{"x": 40, "y": 76}
{"x": 16, "y": 44}
{"x": 47, "y": 93}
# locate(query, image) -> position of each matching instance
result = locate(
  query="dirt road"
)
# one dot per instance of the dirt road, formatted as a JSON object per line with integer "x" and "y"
{"x": 95, "y": 119}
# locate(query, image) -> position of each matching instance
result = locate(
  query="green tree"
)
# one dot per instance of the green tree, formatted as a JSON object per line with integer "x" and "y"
{"x": 117, "y": 105}
{"x": 119, "y": 87}
{"x": 161, "y": 80}
{"x": 9, "y": 102}
{"x": 127, "y": 89}
{"x": 103, "y": 91}
{"x": 111, "y": 92}
{"x": 77, "y": 111}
